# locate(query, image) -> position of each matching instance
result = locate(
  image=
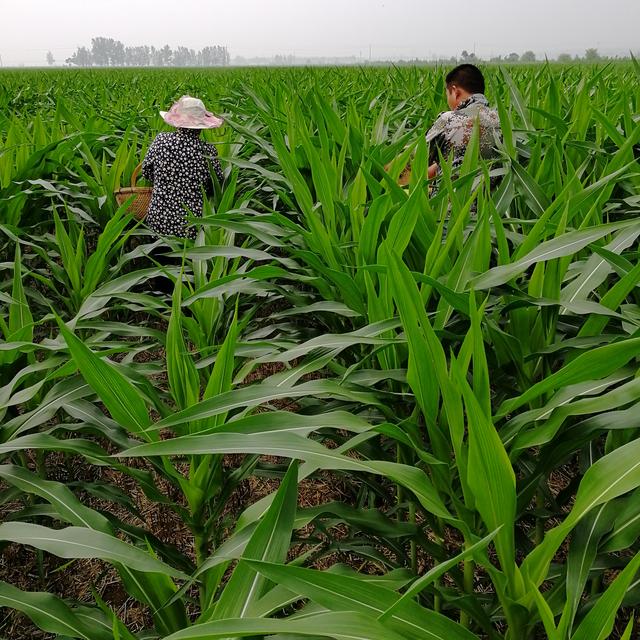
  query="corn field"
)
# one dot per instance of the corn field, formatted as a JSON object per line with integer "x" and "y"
{"x": 365, "y": 413}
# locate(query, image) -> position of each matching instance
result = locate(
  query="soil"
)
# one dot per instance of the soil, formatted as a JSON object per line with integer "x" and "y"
{"x": 29, "y": 570}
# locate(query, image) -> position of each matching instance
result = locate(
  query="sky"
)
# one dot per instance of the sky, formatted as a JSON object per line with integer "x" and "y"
{"x": 304, "y": 28}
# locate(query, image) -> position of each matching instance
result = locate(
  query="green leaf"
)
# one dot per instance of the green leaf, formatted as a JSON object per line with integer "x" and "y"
{"x": 60, "y": 395}
{"x": 71, "y": 510}
{"x": 71, "y": 261}
{"x": 78, "y": 542}
{"x": 436, "y": 572}
{"x": 20, "y": 327}
{"x": 612, "y": 299}
{"x": 427, "y": 362}
{"x": 257, "y": 394}
{"x": 598, "y": 623}
{"x": 98, "y": 261}
{"x": 295, "y": 447}
{"x": 580, "y": 559}
{"x": 626, "y": 526}
{"x": 492, "y": 480}
{"x": 346, "y": 593}
{"x": 596, "y": 269}
{"x": 403, "y": 223}
{"x": 593, "y": 365}
{"x": 269, "y": 543}
{"x": 124, "y": 402}
{"x": 340, "y": 626}
{"x": 184, "y": 380}
{"x": 221, "y": 379}
{"x": 546, "y": 615}
{"x": 517, "y": 100}
{"x": 564, "y": 245}
{"x": 533, "y": 193}
{"x": 629, "y": 630}
{"x": 50, "y": 613}
{"x": 613, "y": 475}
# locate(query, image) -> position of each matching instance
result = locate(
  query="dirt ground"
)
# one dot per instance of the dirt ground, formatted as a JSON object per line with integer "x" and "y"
{"x": 30, "y": 570}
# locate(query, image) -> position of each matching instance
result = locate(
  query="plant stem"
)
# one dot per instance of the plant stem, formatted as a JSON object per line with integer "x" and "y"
{"x": 539, "y": 534}
{"x": 469, "y": 569}
{"x": 399, "y": 489}
{"x": 41, "y": 467}
{"x": 414, "y": 548}
{"x": 201, "y": 545}
{"x": 437, "y": 600}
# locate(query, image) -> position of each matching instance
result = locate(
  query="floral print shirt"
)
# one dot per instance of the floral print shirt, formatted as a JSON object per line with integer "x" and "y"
{"x": 451, "y": 132}
{"x": 177, "y": 163}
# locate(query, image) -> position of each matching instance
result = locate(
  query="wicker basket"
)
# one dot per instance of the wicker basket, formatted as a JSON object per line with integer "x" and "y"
{"x": 140, "y": 204}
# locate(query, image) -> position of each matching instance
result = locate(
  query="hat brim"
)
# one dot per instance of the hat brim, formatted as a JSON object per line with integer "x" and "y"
{"x": 209, "y": 121}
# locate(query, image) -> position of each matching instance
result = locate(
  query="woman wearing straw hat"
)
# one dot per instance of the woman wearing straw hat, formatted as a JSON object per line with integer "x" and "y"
{"x": 178, "y": 164}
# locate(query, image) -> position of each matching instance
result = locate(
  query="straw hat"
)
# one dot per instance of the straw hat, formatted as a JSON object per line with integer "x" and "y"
{"x": 190, "y": 113}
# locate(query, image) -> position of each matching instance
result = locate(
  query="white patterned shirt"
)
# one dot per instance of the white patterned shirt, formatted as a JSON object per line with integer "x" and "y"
{"x": 178, "y": 164}
{"x": 452, "y": 131}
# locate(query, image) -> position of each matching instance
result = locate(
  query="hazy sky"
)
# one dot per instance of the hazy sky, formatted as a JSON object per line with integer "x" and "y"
{"x": 392, "y": 28}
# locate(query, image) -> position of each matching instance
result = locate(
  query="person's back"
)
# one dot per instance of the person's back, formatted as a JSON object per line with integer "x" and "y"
{"x": 452, "y": 131}
{"x": 178, "y": 164}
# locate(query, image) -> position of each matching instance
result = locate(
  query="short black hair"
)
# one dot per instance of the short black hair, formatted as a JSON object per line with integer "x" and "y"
{"x": 467, "y": 77}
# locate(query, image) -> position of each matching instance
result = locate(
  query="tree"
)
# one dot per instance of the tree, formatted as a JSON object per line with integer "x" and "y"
{"x": 513, "y": 57}
{"x": 100, "y": 52}
{"x": 50, "y": 60}
{"x": 155, "y": 57}
{"x": 591, "y": 55}
{"x": 116, "y": 53}
{"x": 165, "y": 56}
{"x": 528, "y": 56}
{"x": 208, "y": 57}
{"x": 183, "y": 57}
{"x": 137, "y": 56}
{"x": 107, "y": 52}
{"x": 564, "y": 58}
{"x": 212, "y": 57}
{"x": 81, "y": 58}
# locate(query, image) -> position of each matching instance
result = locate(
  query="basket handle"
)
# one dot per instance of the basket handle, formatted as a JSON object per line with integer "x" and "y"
{"x": 134, "y": 175}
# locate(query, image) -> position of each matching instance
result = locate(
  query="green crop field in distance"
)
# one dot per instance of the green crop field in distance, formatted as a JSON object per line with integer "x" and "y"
{"x": 441, "y": 394}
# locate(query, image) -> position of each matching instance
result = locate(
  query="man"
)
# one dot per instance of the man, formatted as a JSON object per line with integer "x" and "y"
{"x": 452, "y": 131}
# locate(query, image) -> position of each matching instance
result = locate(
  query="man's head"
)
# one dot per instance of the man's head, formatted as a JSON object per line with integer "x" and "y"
{"x": 463, "y": 81}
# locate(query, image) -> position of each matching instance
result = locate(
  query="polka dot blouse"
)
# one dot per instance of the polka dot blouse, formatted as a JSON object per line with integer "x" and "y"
{"x": 177, "y": 163}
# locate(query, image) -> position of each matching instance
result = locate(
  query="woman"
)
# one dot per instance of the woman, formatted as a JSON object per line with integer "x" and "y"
{"x": 178, "y": 164}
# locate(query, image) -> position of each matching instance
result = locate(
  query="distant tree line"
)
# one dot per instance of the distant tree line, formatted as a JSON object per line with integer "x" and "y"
{"x": 107, "y": 52}
{"x": 590, "y": 55}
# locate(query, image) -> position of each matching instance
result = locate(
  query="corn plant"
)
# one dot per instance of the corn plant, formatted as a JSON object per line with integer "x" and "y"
{"x": 445, "y": 358}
